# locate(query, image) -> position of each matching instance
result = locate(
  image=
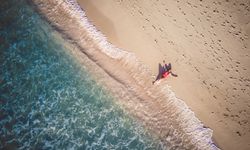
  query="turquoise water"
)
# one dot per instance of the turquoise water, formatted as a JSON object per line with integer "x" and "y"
{"x": 48, "y": 100}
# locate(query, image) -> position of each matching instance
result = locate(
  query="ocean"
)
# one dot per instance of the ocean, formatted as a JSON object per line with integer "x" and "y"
{"x": 63, "y": 86}
{"x": 48, "y": 100}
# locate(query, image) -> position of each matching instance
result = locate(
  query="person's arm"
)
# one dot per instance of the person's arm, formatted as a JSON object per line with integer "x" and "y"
{"x": 175, "y": 75}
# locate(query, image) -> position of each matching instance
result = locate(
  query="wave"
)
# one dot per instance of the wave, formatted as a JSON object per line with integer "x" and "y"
{"x": 129, "y": 80}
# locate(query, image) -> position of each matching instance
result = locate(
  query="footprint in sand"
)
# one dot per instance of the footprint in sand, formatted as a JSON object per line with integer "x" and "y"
{"x": 238, "y": 133}
{"x": 154, "y": 27}
{"x": 225, "y": 115}
{"x": 183, "y": 13}
{"x": 140, "y": 12}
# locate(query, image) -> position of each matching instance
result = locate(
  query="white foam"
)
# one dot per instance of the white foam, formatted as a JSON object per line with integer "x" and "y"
{"x": 174, "y": 122}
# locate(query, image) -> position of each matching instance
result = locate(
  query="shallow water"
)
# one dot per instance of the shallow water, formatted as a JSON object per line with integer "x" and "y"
{"x": 47, "y": 99}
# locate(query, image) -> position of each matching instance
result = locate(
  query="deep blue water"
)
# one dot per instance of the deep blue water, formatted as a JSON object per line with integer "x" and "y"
{"x": 47, "y": 99}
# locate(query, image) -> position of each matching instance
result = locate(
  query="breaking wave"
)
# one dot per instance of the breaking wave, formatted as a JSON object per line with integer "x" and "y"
{"x": 129, "y": 81}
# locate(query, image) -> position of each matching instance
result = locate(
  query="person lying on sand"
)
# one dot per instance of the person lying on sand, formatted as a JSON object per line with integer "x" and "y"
{"x": 166, "y": 67}
{"x": 164, "y": 71}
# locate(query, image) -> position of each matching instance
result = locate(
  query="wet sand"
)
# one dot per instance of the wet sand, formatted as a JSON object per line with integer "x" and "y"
{"x": 208, "y": 45}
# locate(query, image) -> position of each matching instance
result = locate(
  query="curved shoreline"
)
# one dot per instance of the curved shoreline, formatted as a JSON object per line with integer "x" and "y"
{"x": 157, "y": 107}
{"x": 208, "y": 45}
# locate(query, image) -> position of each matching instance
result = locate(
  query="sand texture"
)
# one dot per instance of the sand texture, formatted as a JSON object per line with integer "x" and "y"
{"x": 207, "y": 43}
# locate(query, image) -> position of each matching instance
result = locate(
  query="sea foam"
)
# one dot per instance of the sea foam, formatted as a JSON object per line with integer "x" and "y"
{"x": 156, "y": 106}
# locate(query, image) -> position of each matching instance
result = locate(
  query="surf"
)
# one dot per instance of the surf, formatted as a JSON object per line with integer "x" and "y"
{"x": 129, "y": 81}
{"x": 48, "y": 98}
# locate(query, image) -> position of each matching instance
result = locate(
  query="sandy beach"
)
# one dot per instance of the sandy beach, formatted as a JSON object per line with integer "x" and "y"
{"x": 208, "y": 45}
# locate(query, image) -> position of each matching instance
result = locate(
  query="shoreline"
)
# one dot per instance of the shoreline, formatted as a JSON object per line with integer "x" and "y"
{"x": 208, "y": 87}
{"x": 129, "y": 80}
{"x": 48, "y": 98}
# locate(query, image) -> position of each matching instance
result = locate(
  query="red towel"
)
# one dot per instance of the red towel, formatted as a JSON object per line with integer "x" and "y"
{"x": 165, "y": 74}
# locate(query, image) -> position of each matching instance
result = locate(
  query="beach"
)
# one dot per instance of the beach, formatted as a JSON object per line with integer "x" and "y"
{"x": 49, "y": 100}
{"x": 208, "y": 45}
{"x": 79, "y": 74}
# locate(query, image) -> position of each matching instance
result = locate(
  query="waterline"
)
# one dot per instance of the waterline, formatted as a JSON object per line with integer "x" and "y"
{"x": 128, "y": 80}
{"x": 49, "y": 100}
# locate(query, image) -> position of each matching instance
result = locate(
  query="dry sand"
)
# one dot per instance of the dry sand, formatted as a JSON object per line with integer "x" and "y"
{"x": 207, "y": 43}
